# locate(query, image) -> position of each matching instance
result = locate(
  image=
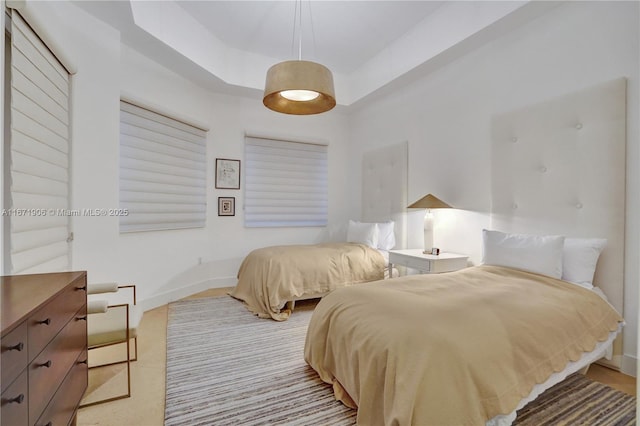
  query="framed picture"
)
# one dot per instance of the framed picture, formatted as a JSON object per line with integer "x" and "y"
{"x": 226, "y": 206}
{"x": 227, "y": 173}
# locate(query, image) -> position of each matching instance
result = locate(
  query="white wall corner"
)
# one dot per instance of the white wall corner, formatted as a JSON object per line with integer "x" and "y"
{"x": 178, "y": 293}
{"x": 629, "y": 365}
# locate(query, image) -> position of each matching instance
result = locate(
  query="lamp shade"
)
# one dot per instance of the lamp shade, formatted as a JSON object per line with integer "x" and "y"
{"x": 429, "y": 202}
{"x": 305, "y": 78}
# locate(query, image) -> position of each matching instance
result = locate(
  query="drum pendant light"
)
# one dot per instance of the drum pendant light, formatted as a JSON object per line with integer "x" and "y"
{"x": 299, "y": 87}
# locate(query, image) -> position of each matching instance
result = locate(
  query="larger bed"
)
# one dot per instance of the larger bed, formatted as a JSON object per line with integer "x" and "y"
{"x": 462, "y": 348}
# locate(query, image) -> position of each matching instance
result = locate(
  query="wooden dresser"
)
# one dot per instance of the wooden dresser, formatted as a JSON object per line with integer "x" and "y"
{"x": 44, "y": 348}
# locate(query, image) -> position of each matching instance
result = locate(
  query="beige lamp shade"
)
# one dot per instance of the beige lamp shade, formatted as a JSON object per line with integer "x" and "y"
{"x": 299, "y": 77}
{"x": 429, "y": 202}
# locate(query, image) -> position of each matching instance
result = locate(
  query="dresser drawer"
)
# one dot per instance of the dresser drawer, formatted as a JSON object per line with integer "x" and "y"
{"x": 14, "y": 355}
{"x": 47, "y": 321}
{"x": 14, "y": 406}
{"x": 65, "y": 402}
{"x": 50, "y": 367}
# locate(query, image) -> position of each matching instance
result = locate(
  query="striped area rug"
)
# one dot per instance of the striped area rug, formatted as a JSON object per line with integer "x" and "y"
{"x": 225, "y": 366}
{"x": 579, "y": 401}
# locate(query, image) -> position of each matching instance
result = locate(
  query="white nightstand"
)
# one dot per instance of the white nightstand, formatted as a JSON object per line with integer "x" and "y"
{"x": 428, "y": 263}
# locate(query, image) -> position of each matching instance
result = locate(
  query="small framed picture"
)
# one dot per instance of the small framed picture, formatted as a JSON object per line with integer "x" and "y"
{"x": 226, "y": 206}
{"x": 227, "y": 173}
{"x": 435, "y": 251}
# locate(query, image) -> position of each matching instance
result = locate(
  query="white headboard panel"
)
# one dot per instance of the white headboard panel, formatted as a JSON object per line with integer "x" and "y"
{"x": 384, "y": 188}
{"x": 559, "y": 168}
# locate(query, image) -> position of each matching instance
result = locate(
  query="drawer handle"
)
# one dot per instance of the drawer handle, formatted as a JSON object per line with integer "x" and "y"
{"x": 84, "y": 361}
{"x": 17, "y": 399}
{"x": 49, "y": 424}
{"x": 17, "y": 347}
{"x": 82, "y": 318}
{"x": 45, "y": 322}
{"x": 82, "y": 288}
{"x": 45, "y": 364}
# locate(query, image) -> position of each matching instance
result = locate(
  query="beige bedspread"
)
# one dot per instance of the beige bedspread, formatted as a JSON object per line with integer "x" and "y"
{"x": 451, "y": 349}
{"x": 271, "y": 276}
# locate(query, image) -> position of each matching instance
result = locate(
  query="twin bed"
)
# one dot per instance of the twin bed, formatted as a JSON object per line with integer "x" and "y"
{"x": 271, "y": 279}
{"x": 468, "y": 347}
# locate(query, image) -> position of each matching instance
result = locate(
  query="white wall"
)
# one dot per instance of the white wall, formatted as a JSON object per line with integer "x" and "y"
{"x": 164, "y": 264}
{"x": 446, "y": 118}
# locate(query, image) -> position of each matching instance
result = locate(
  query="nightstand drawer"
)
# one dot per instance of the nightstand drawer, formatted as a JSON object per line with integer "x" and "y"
{"x": 420, "y": 264}
{"x": 448, "y": 265}
{"x": 427, "y": 263}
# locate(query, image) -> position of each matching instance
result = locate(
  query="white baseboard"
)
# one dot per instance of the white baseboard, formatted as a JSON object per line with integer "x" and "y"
{"x": 629, "y": 365}
{"x": 179, "y": 293}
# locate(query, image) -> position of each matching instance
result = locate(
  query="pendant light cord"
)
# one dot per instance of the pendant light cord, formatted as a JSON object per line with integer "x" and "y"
{"x": 300, "y": 35}
{"x": 297, "y": 18}
{"x": 297, "y": 21}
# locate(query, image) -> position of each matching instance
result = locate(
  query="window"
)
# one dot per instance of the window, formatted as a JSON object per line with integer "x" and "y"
{"x": 285, "y": 183}
{"x": 162, "y": 172}
{"x": 37, "y": 156}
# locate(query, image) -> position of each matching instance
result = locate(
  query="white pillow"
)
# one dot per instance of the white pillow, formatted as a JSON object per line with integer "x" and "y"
{"x": 386, "y": 235}
{"x": 533, "y": 253}
{"x": 363, "y": 233}
{"x": 580, "y": 258}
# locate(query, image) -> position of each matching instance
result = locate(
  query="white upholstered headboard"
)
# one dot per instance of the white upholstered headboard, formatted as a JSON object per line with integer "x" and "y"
{"x": 384, "y": 188}
{"x": 558, "y": 167}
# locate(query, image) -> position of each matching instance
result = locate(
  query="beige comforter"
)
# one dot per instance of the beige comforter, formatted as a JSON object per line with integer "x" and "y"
{"x": 451, "y": 349}
{"x": 271, "y": 276}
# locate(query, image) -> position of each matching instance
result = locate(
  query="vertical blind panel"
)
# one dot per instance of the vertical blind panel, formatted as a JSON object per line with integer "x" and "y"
{"x": 159, "y": 142}
{"x": 36, "y": 186}
{"x": 56, "y": 202}
{"x": 286, "y": 183}
{"x": 21, "y": 103}
{"x": 26, "y": 261}
{"x": 40, "y": 168}
{"x": 158, "y": 198}
{"x": 32, "y": 91}
{"x": 39, "y": 155}
{"x": 35, "y": 149}
{"x": 149, "y": 117}
{"x": 30, "y": 222}
{"x": 160, "y": 160}
{"x": 162, "y": 172}
{"x": 148, "y": 166}
{"x": 144, "y": 189}
{"x": 28, "y": 42}
{"x": 30, "y": 132}
{"x": 29, "y": 240}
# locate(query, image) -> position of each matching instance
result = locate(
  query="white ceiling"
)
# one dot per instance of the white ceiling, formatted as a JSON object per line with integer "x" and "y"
{"x": 228, "y": 45}
{"x": 340, "y": 34}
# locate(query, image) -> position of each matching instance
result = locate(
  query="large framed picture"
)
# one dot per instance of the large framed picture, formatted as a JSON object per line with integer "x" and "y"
{"x": 226, "y": 206}
{"x": 227, "y": 173}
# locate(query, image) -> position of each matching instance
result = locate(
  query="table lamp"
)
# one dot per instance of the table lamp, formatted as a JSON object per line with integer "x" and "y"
{"x": 429, "y": 202}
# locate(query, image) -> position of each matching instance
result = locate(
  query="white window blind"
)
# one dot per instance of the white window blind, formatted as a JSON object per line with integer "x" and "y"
{"x": 285, "y": 183}
{"x": 162, "y": 171}
{"x": 39, "y": 156}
